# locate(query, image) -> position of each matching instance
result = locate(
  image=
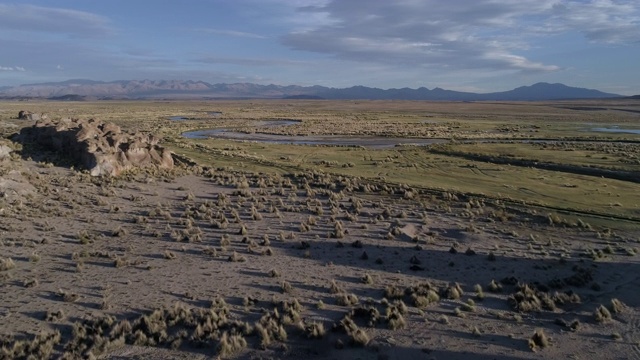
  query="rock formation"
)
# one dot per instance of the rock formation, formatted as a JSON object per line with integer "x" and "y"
{"x": 102, "y": 148}
{"x": 27, "y": 115}
{"x": 5, "y": 151}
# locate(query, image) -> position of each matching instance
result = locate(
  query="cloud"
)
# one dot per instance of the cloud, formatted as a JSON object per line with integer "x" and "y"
{"x": 12, "y": 68}
{"x": 249, "y": 61}
{"x": 463, "y": 34}
{"x": 605, "y": 21}
{"x": 32, "y": 18}
{"x": 232, "y": 33}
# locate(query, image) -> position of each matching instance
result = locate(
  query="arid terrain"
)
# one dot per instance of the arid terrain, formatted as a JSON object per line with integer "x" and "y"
{"x": 510, "y": 232}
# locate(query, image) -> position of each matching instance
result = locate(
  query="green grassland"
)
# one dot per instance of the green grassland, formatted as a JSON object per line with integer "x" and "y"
{"x": 536, "y": 132}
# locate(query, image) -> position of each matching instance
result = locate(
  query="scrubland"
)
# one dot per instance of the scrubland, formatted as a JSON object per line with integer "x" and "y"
{"x": 514, "y": 237}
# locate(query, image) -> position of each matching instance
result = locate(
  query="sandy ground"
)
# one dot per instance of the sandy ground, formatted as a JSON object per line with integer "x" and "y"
{"x": 127, "y": 247}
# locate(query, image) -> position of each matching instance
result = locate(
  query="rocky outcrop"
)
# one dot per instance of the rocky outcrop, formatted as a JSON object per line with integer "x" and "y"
{"x": 27, "y": 115}
{"x": 102, "y": 148}
{"x": 5, "y": 150}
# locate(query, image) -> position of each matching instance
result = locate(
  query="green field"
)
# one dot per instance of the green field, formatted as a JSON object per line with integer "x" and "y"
{"x": 486, "y": 142}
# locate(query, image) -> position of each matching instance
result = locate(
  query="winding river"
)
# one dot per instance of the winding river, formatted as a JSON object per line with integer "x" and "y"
{"x": 333, "y": 140}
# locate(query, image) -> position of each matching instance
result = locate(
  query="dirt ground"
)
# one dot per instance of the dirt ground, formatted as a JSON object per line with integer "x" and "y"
{"x": 81, "y": 256}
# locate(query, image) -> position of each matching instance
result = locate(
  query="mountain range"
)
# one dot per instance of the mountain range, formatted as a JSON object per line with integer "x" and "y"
{"x": 176, "y": 89}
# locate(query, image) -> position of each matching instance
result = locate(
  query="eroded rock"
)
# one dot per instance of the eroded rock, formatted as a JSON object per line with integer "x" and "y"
{"x": 5, "y": 152}
{"x": 102, "y": 148}
{"x": 28, "y": 115}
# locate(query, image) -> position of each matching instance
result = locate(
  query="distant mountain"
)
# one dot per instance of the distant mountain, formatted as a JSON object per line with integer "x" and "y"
{"x": 71, "y": 97}
{"x": 546, "y": 91}
{"x": 78, "y": 89}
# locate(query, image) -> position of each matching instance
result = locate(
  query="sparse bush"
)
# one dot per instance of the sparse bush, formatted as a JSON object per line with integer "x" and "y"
{"x": 286, "y": 287}
{"x": 367, "y": 279}
{"x": 453, "y": 291}
{"x": 231, "y": 344}
{"x": 34, "y": 257}
{"x": 602, "y": 314}
{"x": 118, "y": 232}
{"x": 274, "y": 273}
{"x": 334, "y": 288}
{"x": 347, "y": 299}
{"x": 538, "y": 340}
{"x": 54, "y": 316}
{"x": 617, "y": 306}
{"x": 359, "y": 337}
{"x": 234, "y": 257}
{"x": 6, "y": 264}
{"x": 494, "y": 287}
{"x": 314, "y": 330}
{"x": 28, "y": 283}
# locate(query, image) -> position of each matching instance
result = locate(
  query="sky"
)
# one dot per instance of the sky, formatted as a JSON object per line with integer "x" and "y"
{"x": 464, "y": 45}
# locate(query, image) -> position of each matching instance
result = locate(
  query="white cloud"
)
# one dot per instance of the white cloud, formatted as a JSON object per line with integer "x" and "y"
{"x": 463, "y": 34}
{"x": 606, "y": 21}
{"x": 12, "y": 68}
{"x": 249, "y": 61}
{"x": 232, "y": 33}
{"x": 52, "y": 20}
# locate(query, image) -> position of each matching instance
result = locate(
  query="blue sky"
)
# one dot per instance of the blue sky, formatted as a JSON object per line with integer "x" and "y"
{"x": 468, "y": 45}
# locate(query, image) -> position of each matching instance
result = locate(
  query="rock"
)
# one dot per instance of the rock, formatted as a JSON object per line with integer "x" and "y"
{"x": 5, "y": 152}
{"x": 408, "y": 232}
{"x": 27, "y": 115}
{"x": 103, "y": 149}
{"x": 14, "y": 186}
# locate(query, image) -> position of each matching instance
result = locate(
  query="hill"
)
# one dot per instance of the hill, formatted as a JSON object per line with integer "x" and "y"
{"x": 137, "y": 89}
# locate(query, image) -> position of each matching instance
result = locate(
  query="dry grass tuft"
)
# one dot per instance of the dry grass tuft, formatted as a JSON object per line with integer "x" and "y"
{"x": 538, "y": 340}
{"x": 6, "y": 264}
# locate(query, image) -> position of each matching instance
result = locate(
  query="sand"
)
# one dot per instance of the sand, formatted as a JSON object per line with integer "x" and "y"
{"x": 124, "y": 247}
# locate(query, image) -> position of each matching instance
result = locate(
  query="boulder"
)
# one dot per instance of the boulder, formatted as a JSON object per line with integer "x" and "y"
{"x": 408, "y": 232}
{"x": 5, "y": 151}
{"x": 102, "y": 148}
{"x": 27, "y": 115}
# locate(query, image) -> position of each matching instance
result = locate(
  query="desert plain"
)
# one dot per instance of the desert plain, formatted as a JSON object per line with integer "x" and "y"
{"x": 328, "y": 230}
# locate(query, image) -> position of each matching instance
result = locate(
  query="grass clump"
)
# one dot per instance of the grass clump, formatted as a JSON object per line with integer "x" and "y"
{"x": 602, "y": 314}
{"x": 347, "y": 299}
{"x": 231, "y": 344}
{"x": 538, "y": 340}
{"x": 494, "y": 287}
{"x": 7, "y": 264}
{"x": 234, "y": 257}
{"x": 453, "y": 291}
{"x": 617, "y": 306}
{"x": 367, "y": 279}
{"x": 314, "y": 330}
{"x": 273, "y": 273}
{"x": 286, "y": 287}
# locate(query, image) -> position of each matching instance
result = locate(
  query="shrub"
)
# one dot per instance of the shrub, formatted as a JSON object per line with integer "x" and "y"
{"x": 616, "y": 306}
{"x": 274, "y": 273}
{"x": 234, "y": 257}
{"x": 359, "y": 337}
{"x": 347, "y": 299}
{"x": 286, "y": 287}
{"x": 538, "y": 340}
{"x": 367, "y": 279}
{"x": 6, "y": 264}
{"x": 602, "y": 314}
{"x": 230, "y": 344}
